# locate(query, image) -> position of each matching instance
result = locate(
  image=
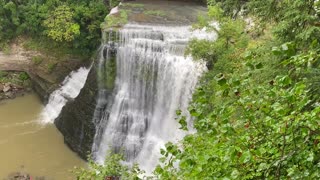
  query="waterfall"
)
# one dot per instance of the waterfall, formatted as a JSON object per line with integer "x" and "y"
{"x": 69, "y": 89}
{"x": 153, "y": 80}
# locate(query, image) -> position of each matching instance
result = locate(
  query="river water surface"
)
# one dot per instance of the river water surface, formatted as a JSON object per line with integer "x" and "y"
{"x": 27, "y": 146}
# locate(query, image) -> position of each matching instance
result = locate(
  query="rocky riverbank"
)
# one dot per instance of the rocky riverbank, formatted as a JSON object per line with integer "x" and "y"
{"x": 10, "y": 91}
{"x": 43, "y": 70}
{"x": 14, "y": 84}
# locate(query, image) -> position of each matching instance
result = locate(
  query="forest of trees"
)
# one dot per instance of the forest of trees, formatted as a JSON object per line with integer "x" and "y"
{"x": 257, "y": 109}
{"x": 73, "y": 24}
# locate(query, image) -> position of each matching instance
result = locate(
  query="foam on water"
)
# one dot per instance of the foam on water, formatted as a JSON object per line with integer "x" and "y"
{"x": 69, "y": 89}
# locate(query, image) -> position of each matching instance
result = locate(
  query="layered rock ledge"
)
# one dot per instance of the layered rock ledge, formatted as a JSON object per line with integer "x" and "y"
{"x": 44, "y": 71}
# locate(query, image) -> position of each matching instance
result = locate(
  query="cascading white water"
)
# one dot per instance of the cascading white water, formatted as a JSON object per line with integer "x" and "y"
{"x": 70, "y": 89}
{"x": 154, "y": 79}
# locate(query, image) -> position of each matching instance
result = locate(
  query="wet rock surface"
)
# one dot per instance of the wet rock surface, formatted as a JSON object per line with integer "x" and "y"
{"x": 75, "y": 120}
{"x": 160, "y": 12}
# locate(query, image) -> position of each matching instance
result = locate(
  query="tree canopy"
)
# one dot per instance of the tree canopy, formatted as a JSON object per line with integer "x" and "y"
{"x": 61, "y": 26}
{"x": 74, "y": 23}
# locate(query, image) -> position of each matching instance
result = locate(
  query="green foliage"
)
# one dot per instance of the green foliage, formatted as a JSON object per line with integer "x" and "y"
{"x": 60, "y": 25}
{"x": 112, "y": 167}
{"x": 250, "y": 131}
{"x": 89, "y": 15}
{"x": 231, "y": 37}
{"x": 73, "y": 24}
{"x": 23, "y": 76}
{"x": 8, "y": 21}
{"x": 231, "y": 8}
{"x": 16, "y": 78}
{"x": 254, "y": 113}
{"x": 296, "y": 20}
{"x": 308, "y": 65}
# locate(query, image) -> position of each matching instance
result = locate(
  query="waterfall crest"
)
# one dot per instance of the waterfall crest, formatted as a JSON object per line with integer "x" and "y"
{"x": 153, "y": 80}
{"x": 69, "y": 89}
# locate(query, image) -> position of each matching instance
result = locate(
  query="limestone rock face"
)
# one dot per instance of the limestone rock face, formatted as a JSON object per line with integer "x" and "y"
{"x": 75, "y": 120}
{"x": 41, "y": 86}
{"x": 44, "y": 82}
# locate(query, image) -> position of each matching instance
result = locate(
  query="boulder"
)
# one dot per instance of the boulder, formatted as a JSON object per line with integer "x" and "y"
{"x": 7, "y": 87}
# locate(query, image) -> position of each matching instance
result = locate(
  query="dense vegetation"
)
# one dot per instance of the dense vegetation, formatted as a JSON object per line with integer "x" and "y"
{"x": 71, "y": 24}
{"x": 257, "y": 110}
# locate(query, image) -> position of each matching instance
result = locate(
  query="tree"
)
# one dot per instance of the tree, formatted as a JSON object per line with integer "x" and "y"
{"x": 9, "y": 21}
{"x": 250, "y": 131}
{"x": 231, "y": 8}
{"x": 297, "y": 20}
{"x": 61, "y": 25}
{"x": 230, "y": 32}
{"x": 112, "y": 167}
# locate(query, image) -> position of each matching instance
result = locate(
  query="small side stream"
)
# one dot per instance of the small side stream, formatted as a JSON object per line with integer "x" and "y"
{"x": 28, "y": 146}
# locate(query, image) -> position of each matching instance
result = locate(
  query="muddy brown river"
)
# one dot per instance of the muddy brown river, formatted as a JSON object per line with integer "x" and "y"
{"x": 27, "y": 146}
